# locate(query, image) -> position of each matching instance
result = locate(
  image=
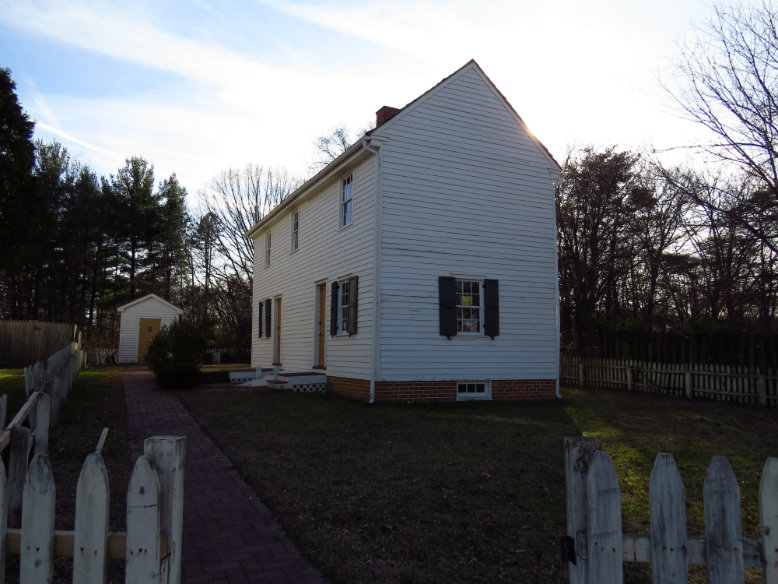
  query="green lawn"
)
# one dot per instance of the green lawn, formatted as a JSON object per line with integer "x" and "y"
{"x": 465, "y": 492}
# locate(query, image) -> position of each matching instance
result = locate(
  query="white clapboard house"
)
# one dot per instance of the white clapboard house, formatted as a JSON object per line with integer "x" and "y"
{"x": 421, "y": 264}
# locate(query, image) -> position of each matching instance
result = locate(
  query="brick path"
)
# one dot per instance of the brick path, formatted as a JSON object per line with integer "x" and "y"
{"x": 229, "y": 535}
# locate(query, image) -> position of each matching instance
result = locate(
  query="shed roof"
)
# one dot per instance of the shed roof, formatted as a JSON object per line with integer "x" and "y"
{"x": 150, "y": 297}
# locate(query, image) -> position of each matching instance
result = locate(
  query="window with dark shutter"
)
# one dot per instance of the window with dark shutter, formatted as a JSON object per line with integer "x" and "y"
{"x": 334, "y": 308}
{"x": 259, "y": 326}
{"x": 448, "y": 301}
{"x": 352, "y": 306}
{"x": 268, "y": 318}
{"x": 492, "y": 304}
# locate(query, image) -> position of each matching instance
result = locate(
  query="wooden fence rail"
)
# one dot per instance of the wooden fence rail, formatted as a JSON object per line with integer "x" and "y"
{"x": 717, "y": 382}
{"x": 597, "y": 549}
{"x": 151, "y": 545}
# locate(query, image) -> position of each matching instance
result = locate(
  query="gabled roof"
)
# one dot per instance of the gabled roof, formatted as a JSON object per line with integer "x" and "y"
{"x": 356, "y": 148}
{"x": 470, "y": 64}
{"x": 150, "y": 297}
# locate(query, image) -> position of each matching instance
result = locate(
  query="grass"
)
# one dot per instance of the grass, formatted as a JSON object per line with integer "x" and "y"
{"x": 465, "y": 492}
{"x": 12, "y": 385}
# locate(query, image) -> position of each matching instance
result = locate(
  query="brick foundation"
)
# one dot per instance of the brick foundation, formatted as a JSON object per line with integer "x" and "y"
{"x": 519, "y": 389}
{"x": 358, "y": 389}
{"x": 439, "y": 391}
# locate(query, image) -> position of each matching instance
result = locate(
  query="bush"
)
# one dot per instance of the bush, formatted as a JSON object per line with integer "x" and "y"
{"x": 174, "y": 354}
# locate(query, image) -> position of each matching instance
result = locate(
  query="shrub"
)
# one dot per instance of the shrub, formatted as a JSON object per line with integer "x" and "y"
{"x": 174, "y": 355}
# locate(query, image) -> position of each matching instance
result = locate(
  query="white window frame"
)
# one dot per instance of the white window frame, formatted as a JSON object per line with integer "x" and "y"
{"x": 463, "y": 306}
{"x": 295, "y": 229}
{"x": 344, "y": 289}
{"x": 267, "y": 249}
{"x": 465, "y": 393}
{"x": 346, "y": 210}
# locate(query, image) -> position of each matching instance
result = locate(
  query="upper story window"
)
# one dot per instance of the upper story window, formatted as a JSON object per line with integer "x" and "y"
{"x": 267, "y": 249}
{"x": 295, "y": 230}
{"x": 346, "y": 202}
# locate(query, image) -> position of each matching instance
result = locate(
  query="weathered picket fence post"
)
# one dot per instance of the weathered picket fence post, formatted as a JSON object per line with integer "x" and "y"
{"x": 143, "y": 545}
{"x": 3, "y": 517}
{"x": 768, "y": 515}
{"x": 603, "y": 521}
{"x": 667, "y": 504}
{"x": 90, "y": 538}
{"x": 37, "y": 553}
{"x": 42, "y": 423}
{"x": 723, "y": 537}
{"x": 168, "y": 454}
{"x": 18, "y": 456}
{"x": 578, "y": 456}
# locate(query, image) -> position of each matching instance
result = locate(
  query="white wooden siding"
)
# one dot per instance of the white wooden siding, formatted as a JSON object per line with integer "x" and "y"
{"x": 466, "y": 192}
{"x": 130, "y": 323}
{"x": 326, "y": 253}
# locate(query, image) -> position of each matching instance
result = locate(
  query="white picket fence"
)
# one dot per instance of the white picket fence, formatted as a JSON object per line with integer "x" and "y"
{"x": 151, "y": 545}
{"x": 55, "y": 378}
{"x": 597, "y": 549}
{"x": 717, "y": 382}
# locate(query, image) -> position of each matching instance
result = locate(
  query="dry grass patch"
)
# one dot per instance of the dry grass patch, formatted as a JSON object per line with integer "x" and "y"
{"x": 463, "y": 492}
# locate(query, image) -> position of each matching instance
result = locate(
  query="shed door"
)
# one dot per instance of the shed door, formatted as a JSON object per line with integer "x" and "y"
{"x": 148, "y": 329}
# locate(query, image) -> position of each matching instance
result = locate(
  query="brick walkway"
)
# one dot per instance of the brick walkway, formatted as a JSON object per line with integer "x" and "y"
{"x": 229, "y": 535}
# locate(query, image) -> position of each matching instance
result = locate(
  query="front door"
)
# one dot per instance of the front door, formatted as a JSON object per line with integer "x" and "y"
{"x": 277, "y": 332}
{"x": 148, "y": 329}
{"x": 321, "y": 312}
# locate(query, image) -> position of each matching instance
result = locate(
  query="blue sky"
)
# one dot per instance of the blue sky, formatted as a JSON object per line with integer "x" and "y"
{"x": 198, "y": 87}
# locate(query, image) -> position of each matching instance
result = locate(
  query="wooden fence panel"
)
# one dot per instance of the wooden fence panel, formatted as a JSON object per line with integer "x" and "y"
{"x": 667, "y": 502}
{"x": 724, "y": 549}
{"x": 90, "y": 538}
{"x": 29, "y": 341}
{"x": 603, "y": 520}
{"x": 768, "y": 515}
{"x": 143, "y": 524}
{"x": 37, "y": 557}
{"x": 717, "y": 382}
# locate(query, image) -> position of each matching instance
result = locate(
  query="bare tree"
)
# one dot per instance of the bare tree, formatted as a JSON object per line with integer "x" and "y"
{"x": 332, "y": 145}
{"x": 729, "y": 84}
{"x": 232, "y": 204}
{"x": 239, "y": 199}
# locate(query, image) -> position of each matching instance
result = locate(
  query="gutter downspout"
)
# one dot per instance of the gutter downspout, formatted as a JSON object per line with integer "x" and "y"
{"x": 556, "y": 292}
{"x": 377, "y": 206}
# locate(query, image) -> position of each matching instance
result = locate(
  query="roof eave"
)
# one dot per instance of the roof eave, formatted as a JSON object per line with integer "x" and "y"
{"x": 324, "y": 175}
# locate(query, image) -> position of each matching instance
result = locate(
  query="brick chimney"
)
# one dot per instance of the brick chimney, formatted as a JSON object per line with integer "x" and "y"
{"x": 385, "y": 114}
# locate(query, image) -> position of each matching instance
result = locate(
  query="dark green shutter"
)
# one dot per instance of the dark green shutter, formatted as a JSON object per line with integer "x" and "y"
{"x": 334, "y": 308}
{"x": 268, "y": 318}
{"x": 260, "y": 320}
{"x": 448, "y": 306}
{"x": 492, "y": 308}
{"x": 352, "y": 307}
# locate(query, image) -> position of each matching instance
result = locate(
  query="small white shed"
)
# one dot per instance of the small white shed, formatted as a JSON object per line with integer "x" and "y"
{"x": 141, "y": 321}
